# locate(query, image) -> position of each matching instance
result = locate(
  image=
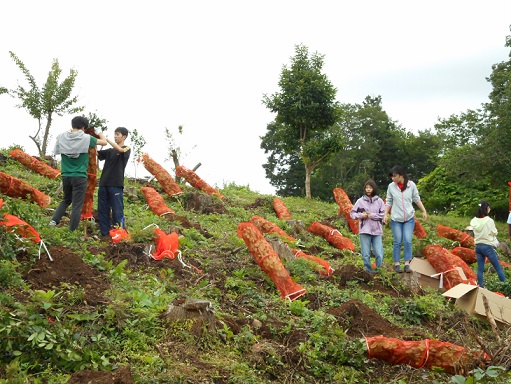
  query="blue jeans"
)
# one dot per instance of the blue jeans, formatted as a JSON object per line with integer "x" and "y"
{"x": 110, "y": 209}
{"x": 74, "y": 189}
{"x": 402, "y": 233}
{"x": 366, "y": 241}
{"x": 484, "y": 251}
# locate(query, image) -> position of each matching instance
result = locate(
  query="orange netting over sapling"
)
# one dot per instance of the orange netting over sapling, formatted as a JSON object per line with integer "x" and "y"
{"x": 321, "y": 266}
{"x": 464, "y": 239}
{"x": 426, "y": 353}
{"x": 92, "y": 175}
{"x": 269, "y": 261}
{"x": 267, "y": 226}
{"x": 419, "y": 230}
{"x": 195, "y": 181}
{"x": 468, "y": 255}
{"x": 13, "y": 187}
{"x": 34, "y": 164}
{"x": 333, "y": 236}
{"x": 281, "y": 209}
{"x": 119, "y": 234}
{"x": 345, "y": 206}
{"x": 164, "y": 178}
{"x": 155, "y": 201}
{"x": 166, "y": 245}
{"x": 20, "y": 227}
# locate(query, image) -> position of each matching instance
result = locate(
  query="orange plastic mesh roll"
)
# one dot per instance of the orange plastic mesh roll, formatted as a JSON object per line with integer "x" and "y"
{"x": 164, "y": 178}
{"x": 321, "y": 266}
{"x": 426, "y": 353}
{"x": 445, "y": 262}
{"x": 333, "y": 236}
{"x": 464, "y": 239}
{"x": 345, "y": 206}
{"x": 155, "y": 201}
{"x": 21, "y": 227}
{"x": 281, "y": 209}
{"x": 166, "y": 245}
{"x": 195, "y": 181}
{"x": 92, "y": 174}
{"x": 13, "y": 187}
{"x": 34, "y": 164}
{"x": 267, "y": 226}
{"x": 268, "y": 260}
{"x": 466, "y": 254}
{"x": 419, "y": 230}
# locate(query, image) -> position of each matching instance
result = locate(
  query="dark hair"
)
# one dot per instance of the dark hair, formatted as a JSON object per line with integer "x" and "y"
{"x": 373, "y": 185}
{"x": 122, "y": 130}
{"x": 80, "y": 122}
{"x": 482, "y": 209}
{"x": 399, "y": 170}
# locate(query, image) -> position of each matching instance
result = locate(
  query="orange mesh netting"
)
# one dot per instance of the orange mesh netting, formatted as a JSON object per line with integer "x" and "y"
{"x": 164, "y": 178}
{"x": 464, "y": 239}
{"x": 424, "y": 354}
{"x": 92, "y": 174}
{"x": 14, "y": 187}
{"x": 466, "y": 254}
{"x": 419, "y": 230}
{"x": 321, "y": 266}
{"x": 155, "y": 201}
{"x": 333, "y": 236}
{"x": 196, "y": 182}
{"x": 345, "y": 206}
{"x": 445, "y": 263}
{"x": 34, "y": 164}
{"x": 269, "y": 261}
{"x": 21, "y": 227}
{"x": 118, "y": 234}
{"x": 281, "y": 209}
{"x": 166, "y": 245}
{"x": 266, "y": 226}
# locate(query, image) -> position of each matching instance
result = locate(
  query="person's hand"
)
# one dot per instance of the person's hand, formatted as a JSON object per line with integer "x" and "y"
{"x": 385, "y": 219}
{"x": 425, "y": 215}
{"x": 97, "y": 131}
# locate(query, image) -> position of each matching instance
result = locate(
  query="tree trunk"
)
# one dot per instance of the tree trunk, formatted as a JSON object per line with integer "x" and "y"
{"x": 308, "y": 171}
{"x": 46, "y": 134}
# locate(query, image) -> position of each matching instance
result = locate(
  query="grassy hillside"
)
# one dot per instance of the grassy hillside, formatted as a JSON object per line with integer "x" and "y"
{"x": 104, "y": 312}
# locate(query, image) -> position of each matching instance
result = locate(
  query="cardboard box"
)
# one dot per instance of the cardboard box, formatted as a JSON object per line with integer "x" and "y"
{"x": 470, "y": 299}
{"x": 427, "y": 276}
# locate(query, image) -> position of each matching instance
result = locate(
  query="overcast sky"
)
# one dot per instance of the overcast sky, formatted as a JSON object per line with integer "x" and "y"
{"x": 206, "y": 65}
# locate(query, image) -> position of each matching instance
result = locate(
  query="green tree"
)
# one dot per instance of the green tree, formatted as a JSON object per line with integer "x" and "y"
{"x": 306, "y": 111}
{"x": 137, "y": 145}
{"x": 41, "y": 103}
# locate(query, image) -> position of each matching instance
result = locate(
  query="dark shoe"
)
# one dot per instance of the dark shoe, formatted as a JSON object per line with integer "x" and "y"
{"x": 408, "y": 269}
{"x": 397, "y": 268}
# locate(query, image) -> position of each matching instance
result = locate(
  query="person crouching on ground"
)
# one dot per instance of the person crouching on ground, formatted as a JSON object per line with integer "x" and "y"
{"x": 369, "y": 209}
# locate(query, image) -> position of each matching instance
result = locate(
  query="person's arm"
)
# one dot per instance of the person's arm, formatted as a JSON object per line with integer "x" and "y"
{"x": 424, "y": 213}
{"x": 117, "y": 147}
{"x": 102, "y": 139}
{"x": 386, "y": 214}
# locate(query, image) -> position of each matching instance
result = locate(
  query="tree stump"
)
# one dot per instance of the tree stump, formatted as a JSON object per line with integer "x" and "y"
{"x": 201, "y": 313}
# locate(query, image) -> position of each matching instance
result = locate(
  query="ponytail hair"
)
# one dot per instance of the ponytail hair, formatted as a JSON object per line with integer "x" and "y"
{"x": 482, "y": 209}
{"x": 399, "y": 170}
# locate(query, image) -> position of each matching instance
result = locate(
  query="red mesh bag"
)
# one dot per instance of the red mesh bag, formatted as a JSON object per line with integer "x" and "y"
{"x": 92, "y": 173}
{"x": 268, "y": 260}
{"x": 466, "y": 254}
{"x": 333, "y": 236}
{"x": 424, "y": 354}
{"x": 464, "y": 239}
{"x": 196, "y": 182}
{"x": 166, "y": 245}
{"x": 21, "y": 227}
{"x": 164, "y": 178}
{"x": 34, "y": 164}
{"x": 13, "y": 187}
{"x": 119, "y": 234}
{"x": 155, "y": 201}
{"x": 281, "y": 209}
{"x": 321, "y": 266}
{"x": 444, "y": 262}
{"x": 419, "y": 230}
{"x": 266, "y": 226}
{"x": 345, "y": 206}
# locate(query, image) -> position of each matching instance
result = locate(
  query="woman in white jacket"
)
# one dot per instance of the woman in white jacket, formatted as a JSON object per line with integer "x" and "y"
{"x": 484, "y": 236}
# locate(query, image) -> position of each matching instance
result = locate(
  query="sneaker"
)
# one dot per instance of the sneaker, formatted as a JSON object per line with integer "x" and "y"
{"x": 408, "y": 269}
{"x": 398, "y": 269}
{"x": 53, "y": 223}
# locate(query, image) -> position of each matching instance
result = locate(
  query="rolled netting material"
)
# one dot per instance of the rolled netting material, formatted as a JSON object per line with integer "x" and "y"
{"x": 464, "y": 239}
{"x": 468, "y": 255}
{"x": 320, "y": 265}
{"x": 425, "y": 353}
{"x": 119, "y": 234}
{"x": 164, "y": 178}
{"x": 445, "y": 263}
{"x": 92, "y": 177}
{"x": 269, "y": 261}
{"x": 166, "y": 244}
{"x": 333, "y": 236}
{"x": 34, "y": 164}
{"x": 155, "y": 201}
{"x": 195, "y": 181}
{"x": 345, "y": 206}
{"x": 281, "y": 209}
{"x": 13, "y": 187}
{"x": 418, "y": 230}
{"x": 266, "y": 226}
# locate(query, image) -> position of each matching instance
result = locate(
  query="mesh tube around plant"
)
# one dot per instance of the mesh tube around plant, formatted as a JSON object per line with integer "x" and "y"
{"x": 155, "y": 201}
{"x": 92, "y": 177}
{"x": 463, "y": 238}
{"x": 419, "y": 230}
{"x": 320, "y": 265}
{"x": 195, "y": 181}
{"x": 345, "y": 206}
{"x": 34, "y": 164}
{"x": 281, "y": 210}
{"x": 267, "y": 226}
{"x": 14, "y": 187}
{"x": 164, "y": 178}
{"x": 333, "y": 236}
{"x": 468, "y": 255}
